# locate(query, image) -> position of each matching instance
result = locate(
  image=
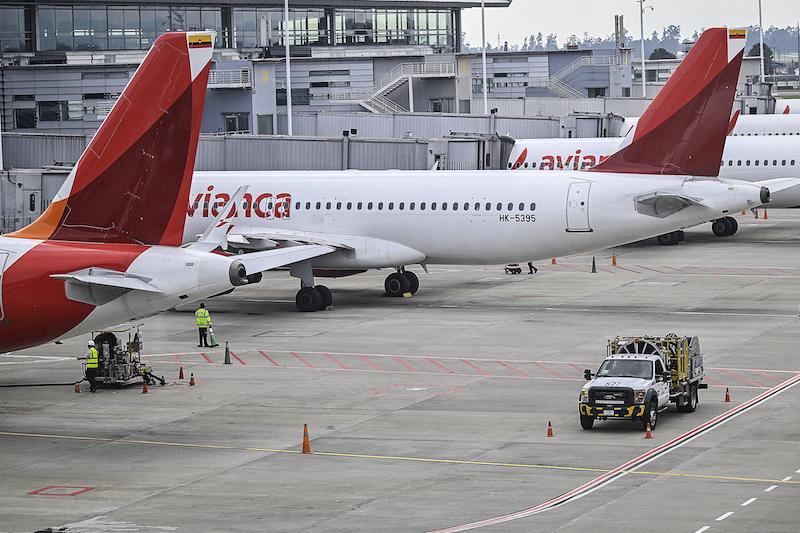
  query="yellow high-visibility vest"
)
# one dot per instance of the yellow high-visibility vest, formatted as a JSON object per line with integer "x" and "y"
{"x": 92, "y": 360}
{"x": 203, "y": 318}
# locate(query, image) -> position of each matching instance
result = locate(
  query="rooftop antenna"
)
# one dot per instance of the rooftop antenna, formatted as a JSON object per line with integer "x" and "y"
{"x": 642, "y": 9}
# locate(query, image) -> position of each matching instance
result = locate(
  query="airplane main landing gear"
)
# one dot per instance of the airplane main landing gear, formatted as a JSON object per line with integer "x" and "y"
{"x": 401, "y": 282}
{"x": 310, "y": 299}
{"x": 671, "y": 238}
{"x": 725, "y": 227}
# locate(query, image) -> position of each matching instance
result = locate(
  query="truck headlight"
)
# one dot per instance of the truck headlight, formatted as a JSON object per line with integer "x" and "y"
{"x": 585, "y": 395}
{"x": 638, "y": 396}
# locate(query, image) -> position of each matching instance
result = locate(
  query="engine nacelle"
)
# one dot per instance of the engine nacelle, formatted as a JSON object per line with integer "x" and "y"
{"x": 238, "y": 274}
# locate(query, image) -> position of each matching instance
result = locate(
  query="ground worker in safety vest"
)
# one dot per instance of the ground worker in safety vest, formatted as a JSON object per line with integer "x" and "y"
{"x": 92, "y": 358}
{"x": 203, "y": 319}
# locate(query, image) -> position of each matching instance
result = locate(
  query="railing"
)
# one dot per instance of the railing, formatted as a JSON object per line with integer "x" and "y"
{"x": 376, "y": 103}
{"x": 556, "y": 86}
{"x": 405, "y": 70}
{"x": 229, "y": 79}
{"x": 586, "y": 61}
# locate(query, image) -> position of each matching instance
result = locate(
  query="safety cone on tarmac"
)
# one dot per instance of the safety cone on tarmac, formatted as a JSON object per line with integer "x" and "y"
{"x": 78, "y": 387}
{"x": 180, "y": 373}
{"x": 594, "y": 265}
{"x": 550, "y": 429}
{"x": 553, "y": 261}
{"x": 144, "y": 387}
{"x": 744, "y": 212}
{"x": 727, "y": 395}
{"x": 212, "y": 338}
{"x": 227, "y": 354}
{"x": 191, "y": 380}
{"x": 766, "y": 215}
{"x": 648, "y": 433}
{"x": 755, "y": 212}
{"x": 306, "y": 441}
{"x": 614, "y": 260}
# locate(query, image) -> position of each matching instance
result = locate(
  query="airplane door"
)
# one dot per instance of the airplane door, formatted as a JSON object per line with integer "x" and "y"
{"x": 578, "y": 206}
{"x": 3, "y": 260}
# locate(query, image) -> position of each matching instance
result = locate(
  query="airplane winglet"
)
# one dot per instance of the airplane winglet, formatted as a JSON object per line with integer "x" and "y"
{"x": 215, "y": 233}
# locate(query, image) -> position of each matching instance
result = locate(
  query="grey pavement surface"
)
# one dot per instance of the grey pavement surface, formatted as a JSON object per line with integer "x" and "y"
{"x": 400, "y": 395}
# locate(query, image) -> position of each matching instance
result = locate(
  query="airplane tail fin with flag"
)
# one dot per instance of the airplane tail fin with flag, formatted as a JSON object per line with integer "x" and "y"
{"x": 131, "y": 184}
{"x": 683, "y": 130}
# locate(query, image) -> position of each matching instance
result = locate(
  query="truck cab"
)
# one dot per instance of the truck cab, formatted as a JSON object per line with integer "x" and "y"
{"x": 640, "y": 377}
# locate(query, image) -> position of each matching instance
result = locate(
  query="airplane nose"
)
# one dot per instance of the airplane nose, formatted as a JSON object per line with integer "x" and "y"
{"x": 764, "y": 195}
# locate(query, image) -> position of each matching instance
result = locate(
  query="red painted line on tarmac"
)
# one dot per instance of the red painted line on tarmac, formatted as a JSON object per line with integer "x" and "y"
{"x": 335, "y": 361}
{"x": 405, "y": 364}
{"x": 712, "y": 381}
{"x": 734, "y": 375}
{"x": 440, "y": 365}
{"x": 632, "y": 465}
{"x": 302, "y": 359}
{"x": 652, "y": 269}
{"x": 476, "y": 367}
{"x": 268, "y": 358}
{"x": 176, "y": 358}
{"x": 776, "y": 378}
{"x": 514, "y": 370}
{"x": 371, "y": 363}
{"x": 207, "y": 358}
{"x": 556, "y": 374}
{"x": 237, "y": 358}
{"x": 628, "y": 269}
{"x": 576, "y": 367}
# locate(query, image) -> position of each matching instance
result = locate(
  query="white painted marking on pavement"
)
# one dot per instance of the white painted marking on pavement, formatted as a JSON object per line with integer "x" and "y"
{"x": 797, "y": 471}
{"x": 771, "y": 488}
{"x": 787, "y": 478}
{"x": 704, "y": 528}
{"x": 748, "y": 502}
{"x": 723, "y": 517}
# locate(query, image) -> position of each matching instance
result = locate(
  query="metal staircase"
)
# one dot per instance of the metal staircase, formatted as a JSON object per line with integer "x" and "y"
{"x": 556, "y": 84}
{"x": 375, "y": 98}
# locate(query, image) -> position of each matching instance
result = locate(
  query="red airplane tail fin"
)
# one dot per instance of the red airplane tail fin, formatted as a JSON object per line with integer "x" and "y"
{"x": 131, "y": 184}
{"x": 683, "y": 130}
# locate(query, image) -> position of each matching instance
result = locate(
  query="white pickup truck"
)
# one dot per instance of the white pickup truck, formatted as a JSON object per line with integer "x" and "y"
{"x": 640, "y": 377}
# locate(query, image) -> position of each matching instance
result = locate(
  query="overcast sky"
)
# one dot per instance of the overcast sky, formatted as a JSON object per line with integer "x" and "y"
{"x": 567, "y": 17}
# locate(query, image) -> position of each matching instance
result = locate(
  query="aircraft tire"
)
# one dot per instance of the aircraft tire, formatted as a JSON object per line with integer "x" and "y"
{"x": 668, "y": 239}
{"x": 413, "y": 280}
{"x": 396, "y": 284}
{"x": 308, "y": 300}
{"x": 733, "y": 225}
{"x": 326, "y": 298}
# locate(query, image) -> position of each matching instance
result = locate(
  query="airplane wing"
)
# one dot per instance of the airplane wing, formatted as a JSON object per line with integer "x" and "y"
{"x": 269, "y": 259}
{"x": 779, "y": 184}
{"x": 269, "y": 238}
{"x": 662, "y": 205}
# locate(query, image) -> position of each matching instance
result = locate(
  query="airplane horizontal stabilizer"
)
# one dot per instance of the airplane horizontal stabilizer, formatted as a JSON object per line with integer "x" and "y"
{"x": 98, "y": 286}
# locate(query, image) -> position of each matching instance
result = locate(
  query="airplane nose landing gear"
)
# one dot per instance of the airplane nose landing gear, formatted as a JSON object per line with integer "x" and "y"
{"x": 401, "y": 282}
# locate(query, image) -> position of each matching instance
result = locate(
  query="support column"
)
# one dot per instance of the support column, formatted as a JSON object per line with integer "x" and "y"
{"x": 411, "y": 94}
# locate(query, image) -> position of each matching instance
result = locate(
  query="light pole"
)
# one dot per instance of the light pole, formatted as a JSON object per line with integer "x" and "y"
{"x": 642, "y": 8}
{"x": 761, "y": 40}
{"x": 483, "y": 58}
{"x": 288, "y": 67}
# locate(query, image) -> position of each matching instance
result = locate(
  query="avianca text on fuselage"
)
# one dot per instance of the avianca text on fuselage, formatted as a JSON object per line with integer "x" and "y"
{"x": 576, "y": 161}
{"x": 265, "y": 205}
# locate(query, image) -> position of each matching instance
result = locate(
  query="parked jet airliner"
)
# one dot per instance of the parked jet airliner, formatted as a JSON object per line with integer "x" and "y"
{"x": 107, "y": 250}
{"x": 393, "y": 219}
{"x": 746, "y": 125}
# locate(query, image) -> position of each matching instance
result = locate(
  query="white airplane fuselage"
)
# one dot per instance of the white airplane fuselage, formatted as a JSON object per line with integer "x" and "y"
{"x": 393, "y": 218}
{"x": 745, "y": 158}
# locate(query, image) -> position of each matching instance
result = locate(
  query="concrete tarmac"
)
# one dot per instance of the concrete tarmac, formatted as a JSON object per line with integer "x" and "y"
{"x": 431, "y": 412}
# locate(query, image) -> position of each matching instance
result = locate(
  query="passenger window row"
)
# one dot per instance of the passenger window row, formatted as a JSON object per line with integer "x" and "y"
{"x": 763, "y": 134}
{"x": 414, "y": 206}
{"x": 757, "y": 162}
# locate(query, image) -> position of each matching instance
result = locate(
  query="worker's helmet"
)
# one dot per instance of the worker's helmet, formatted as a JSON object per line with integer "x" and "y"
{"x": 90, "y": 344}
{"x": 202, "y": 306}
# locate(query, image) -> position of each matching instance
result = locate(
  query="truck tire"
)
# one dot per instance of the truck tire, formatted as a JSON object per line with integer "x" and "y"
{"x": 650, "y": 415}
{"x": 587, "y": 422}
{"x": 690, "y": 404}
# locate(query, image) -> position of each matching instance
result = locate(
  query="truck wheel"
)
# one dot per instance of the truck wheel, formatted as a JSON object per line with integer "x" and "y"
{"x": 587, "y": 422}
{"x": 691, "y": 402}
{"x": 650, "y": 416}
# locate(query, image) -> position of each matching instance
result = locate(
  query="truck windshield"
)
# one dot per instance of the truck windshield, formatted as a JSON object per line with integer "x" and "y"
{"x": 626, "y": 368}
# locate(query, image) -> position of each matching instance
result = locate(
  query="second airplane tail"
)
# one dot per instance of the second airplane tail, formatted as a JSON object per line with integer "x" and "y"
{"x": 683, "y": 130}
{"x": 131, "y": 184}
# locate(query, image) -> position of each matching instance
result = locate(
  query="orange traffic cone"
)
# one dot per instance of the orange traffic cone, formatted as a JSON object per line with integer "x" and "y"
{"x": 306, "y": 442}
{"x": 144, "y": 387}
{"x": 180, "y": 373}
{"x": 77, "y": 387}
{"x": 766, "y": 215}
{"x": 727, "y": 394}
{"x": 553, "y": 261}
{"x": 755, "y": 212}
{"x": 614, "y": 260}
{"x": 191, "y": 380}
{"x": 744, "y": 212}
{"x": 648, "y": 433}
{"x": 550, "y": 429}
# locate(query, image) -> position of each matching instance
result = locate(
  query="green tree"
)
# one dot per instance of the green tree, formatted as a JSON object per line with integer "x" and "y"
{"x": 755, "y": 52}
{"x": 661, "y": 53}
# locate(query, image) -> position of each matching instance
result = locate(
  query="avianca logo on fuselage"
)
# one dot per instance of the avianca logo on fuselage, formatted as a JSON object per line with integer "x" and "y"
{"x": 265, "y": 205}
{"x": 576, "y": 161}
